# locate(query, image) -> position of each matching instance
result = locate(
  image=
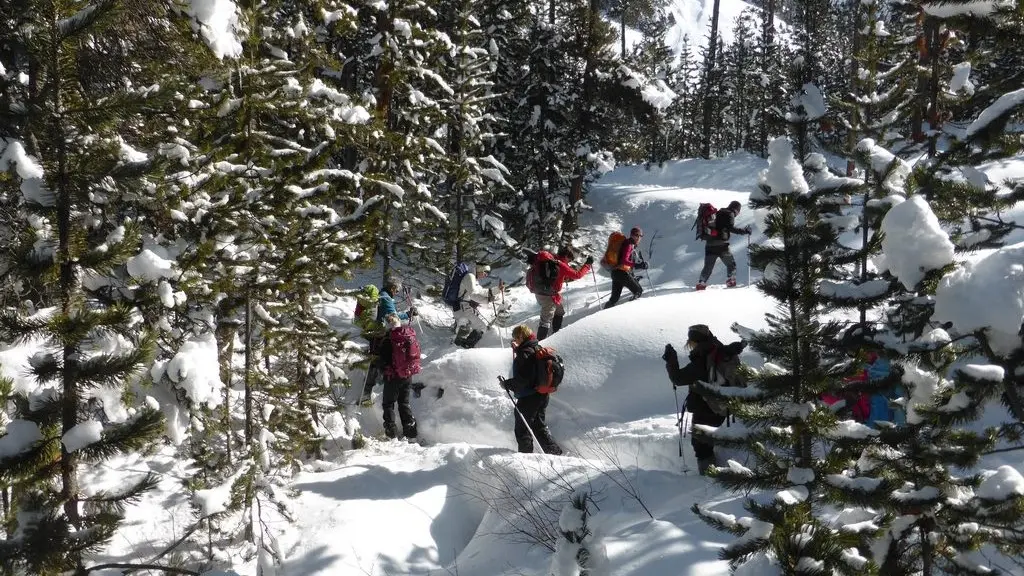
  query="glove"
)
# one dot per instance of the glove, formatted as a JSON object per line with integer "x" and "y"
{"x": 670, "y": 354}
{"x": 503, "y": 382}
{"x": 412, "y": 311}
{"x": 590, "y": 260}
{"x": 474, "y": 304}
{"x": 490, "y": 294}
{"x": 640, "y": 266}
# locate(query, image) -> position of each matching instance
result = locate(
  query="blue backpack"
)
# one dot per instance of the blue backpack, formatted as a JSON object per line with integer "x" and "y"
{"x": 450, "y": 293}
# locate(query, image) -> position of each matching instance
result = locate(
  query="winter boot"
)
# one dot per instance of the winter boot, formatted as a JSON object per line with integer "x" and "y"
{"x": 703, "y": 464}
{"x": 473, "y": 338}
{"x": 390, "y": 430}
{"x": 730, "y": 283}
{"x": 409, "y": 430}
{"x": 556, "y": 323}
{"x": 542, "y": 332}
{"x": 701, "y": 286}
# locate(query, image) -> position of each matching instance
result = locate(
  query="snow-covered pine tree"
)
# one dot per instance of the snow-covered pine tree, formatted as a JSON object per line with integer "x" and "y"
{"x": 741, "y": 79}
{"x": 782, "y": 423}
{"x": 771, "y": 79}
{"x": 683, "y": 80}
{"x": 653, "y": 59}
{"x": 936, "y": 519}
{"x": 82, "y": 151}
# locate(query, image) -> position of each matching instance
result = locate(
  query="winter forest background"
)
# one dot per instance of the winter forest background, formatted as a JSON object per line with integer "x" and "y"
{"x": 186, "y": 183}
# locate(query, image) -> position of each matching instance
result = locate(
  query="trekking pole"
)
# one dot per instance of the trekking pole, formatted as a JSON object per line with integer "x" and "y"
{"x": 648, "y": 270}
{"x": 408, "y": 300}
{"x": 500, "y": 337}
{"x": 597, "y": 292}
{"x": 515, "y": 405}
{"x": 748, "y": 259}
{"x": 679, "y": 420}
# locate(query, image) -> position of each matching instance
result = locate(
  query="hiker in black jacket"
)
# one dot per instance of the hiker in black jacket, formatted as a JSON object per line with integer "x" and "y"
{"x": 718, "y": 247}
{"x": 702, "y": 344}
{"x": 530, "y": 405}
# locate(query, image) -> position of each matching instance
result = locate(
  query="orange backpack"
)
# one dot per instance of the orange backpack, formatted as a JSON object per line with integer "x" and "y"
{"x": 610, "y": 259}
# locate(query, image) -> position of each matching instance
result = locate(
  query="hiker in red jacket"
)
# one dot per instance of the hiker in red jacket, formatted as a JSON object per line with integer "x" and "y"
{"x": 545, "y": 279}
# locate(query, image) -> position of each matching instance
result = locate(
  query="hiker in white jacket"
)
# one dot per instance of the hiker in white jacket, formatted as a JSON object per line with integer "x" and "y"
{"x": 469, "y": 323}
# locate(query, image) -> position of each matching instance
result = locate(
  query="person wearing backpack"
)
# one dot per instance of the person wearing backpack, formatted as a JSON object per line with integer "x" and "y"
{"x": 545, "y": 279}
{"x": 469, "y": 323}
{"x": 385, "y": 307}
{"x": 716, "y": 245}
{"x": 531, "y": 394}
{"x": 707, "y": 354}
{"x": 399, "y": 354}
{"x": 622, "y": 264}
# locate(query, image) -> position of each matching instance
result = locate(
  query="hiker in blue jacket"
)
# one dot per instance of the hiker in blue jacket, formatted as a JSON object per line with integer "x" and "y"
{"x": 385, "y": 306}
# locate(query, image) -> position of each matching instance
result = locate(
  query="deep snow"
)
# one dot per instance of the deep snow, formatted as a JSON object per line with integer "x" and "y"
{"x": 397, "y": 508}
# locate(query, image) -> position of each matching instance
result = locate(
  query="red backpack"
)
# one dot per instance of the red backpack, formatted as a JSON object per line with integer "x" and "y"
{"x": 405, "y": 353}
{"x": 551, "y": 369}
{"x": 705, "y": 223}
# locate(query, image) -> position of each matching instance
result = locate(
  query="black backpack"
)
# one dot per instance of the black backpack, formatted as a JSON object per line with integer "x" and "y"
{"x": 541, "y": 277}
{"x": 723, "y": 222}
{"x": 724, "y": 370}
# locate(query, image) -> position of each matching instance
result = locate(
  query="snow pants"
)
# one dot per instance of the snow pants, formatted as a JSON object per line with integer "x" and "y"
{"x": 623, "y": 279}
{"x": 712, "y": 253}
{"x": 703, "y": 449}
{"x": 549, "y": 311}
{"x": 396, "y": 390}
{"x": 533, "y": 409}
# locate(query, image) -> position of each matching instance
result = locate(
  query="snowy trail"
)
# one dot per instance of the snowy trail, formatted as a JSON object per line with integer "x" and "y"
{"x": 396, "y": 508}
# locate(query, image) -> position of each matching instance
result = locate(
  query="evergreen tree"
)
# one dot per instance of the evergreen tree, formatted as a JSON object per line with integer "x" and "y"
{"x": 81, "y": 132}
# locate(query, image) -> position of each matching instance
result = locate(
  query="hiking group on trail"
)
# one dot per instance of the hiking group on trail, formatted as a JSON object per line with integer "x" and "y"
{"x": 537, "y": 370}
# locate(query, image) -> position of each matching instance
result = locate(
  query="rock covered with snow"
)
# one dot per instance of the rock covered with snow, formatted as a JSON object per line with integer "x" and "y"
{"x": 914, "y": 242}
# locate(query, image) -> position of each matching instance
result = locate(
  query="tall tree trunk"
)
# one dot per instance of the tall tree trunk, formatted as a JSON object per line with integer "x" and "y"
{"x": 622, "y": 21}
{"x": 710, "y": 68}
{"x": 586, "y": 118}
{"x": 767, "y": 60}
{"x": 935, "y": 52}
{"x": 67, "y": 281}
{"x": 248, "y": 368}
{"x": 854, "y": 89}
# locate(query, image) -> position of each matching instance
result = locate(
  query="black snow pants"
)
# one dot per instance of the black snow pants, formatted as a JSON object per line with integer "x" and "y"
{"x": 533, "y": 409}
{"x": 623, "y": 279}
{"x": 397, "y": 390}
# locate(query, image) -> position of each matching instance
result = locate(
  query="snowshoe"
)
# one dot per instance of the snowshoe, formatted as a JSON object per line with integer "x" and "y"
{"x": 701, "y": 286}
{"x": 730, "y": 283}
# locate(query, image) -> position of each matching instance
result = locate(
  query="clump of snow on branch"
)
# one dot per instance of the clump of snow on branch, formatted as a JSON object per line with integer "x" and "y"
{"x": 784, "y": 174}
{"x": 81, "y": 435}
{"x": 21, "y": 434}
{"x": 1000, "y": 484}
{"x": 986, "y": 295}
{"x": 656, "y": 92}
{"x": 880, "y": 159}
{"x": 217, "y": 21}
{"x": 914, "y": 242}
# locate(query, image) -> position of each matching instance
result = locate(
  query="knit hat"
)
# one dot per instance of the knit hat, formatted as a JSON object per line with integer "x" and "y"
{"x": 699, "y": 333}
{"x": 735, "y": 206}
{"x": 636, "y": 231}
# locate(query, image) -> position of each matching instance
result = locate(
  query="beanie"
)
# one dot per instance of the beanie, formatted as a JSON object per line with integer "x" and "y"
{"x": 735, "y": 206}
{"x": 636, "y": 230}
{"x": 699, "y": 333}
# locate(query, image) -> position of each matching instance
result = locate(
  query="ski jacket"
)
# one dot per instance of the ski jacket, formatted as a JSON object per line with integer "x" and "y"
{"x": 385, "y": 306}
{"x": 471, "y": 291}
{"x": 696, "y": 370}
{"x": 524, "y": 370}
{"x": 566, "y": 274}
{"x": 725, "y": 222}
{"x": 626, "y": 262}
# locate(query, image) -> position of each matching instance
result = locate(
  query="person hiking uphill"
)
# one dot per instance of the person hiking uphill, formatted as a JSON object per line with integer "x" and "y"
{"x": 398, "y": 372}
{"x": 704, "y": 349}
{"x": 545, "y": 279}
{"x": 531, "y": 404}
{"x": 385, "y": 307}
{"x": 717, "y": 245}
{"x": 622, "y": 270}
{"x": 469, "y": 324}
